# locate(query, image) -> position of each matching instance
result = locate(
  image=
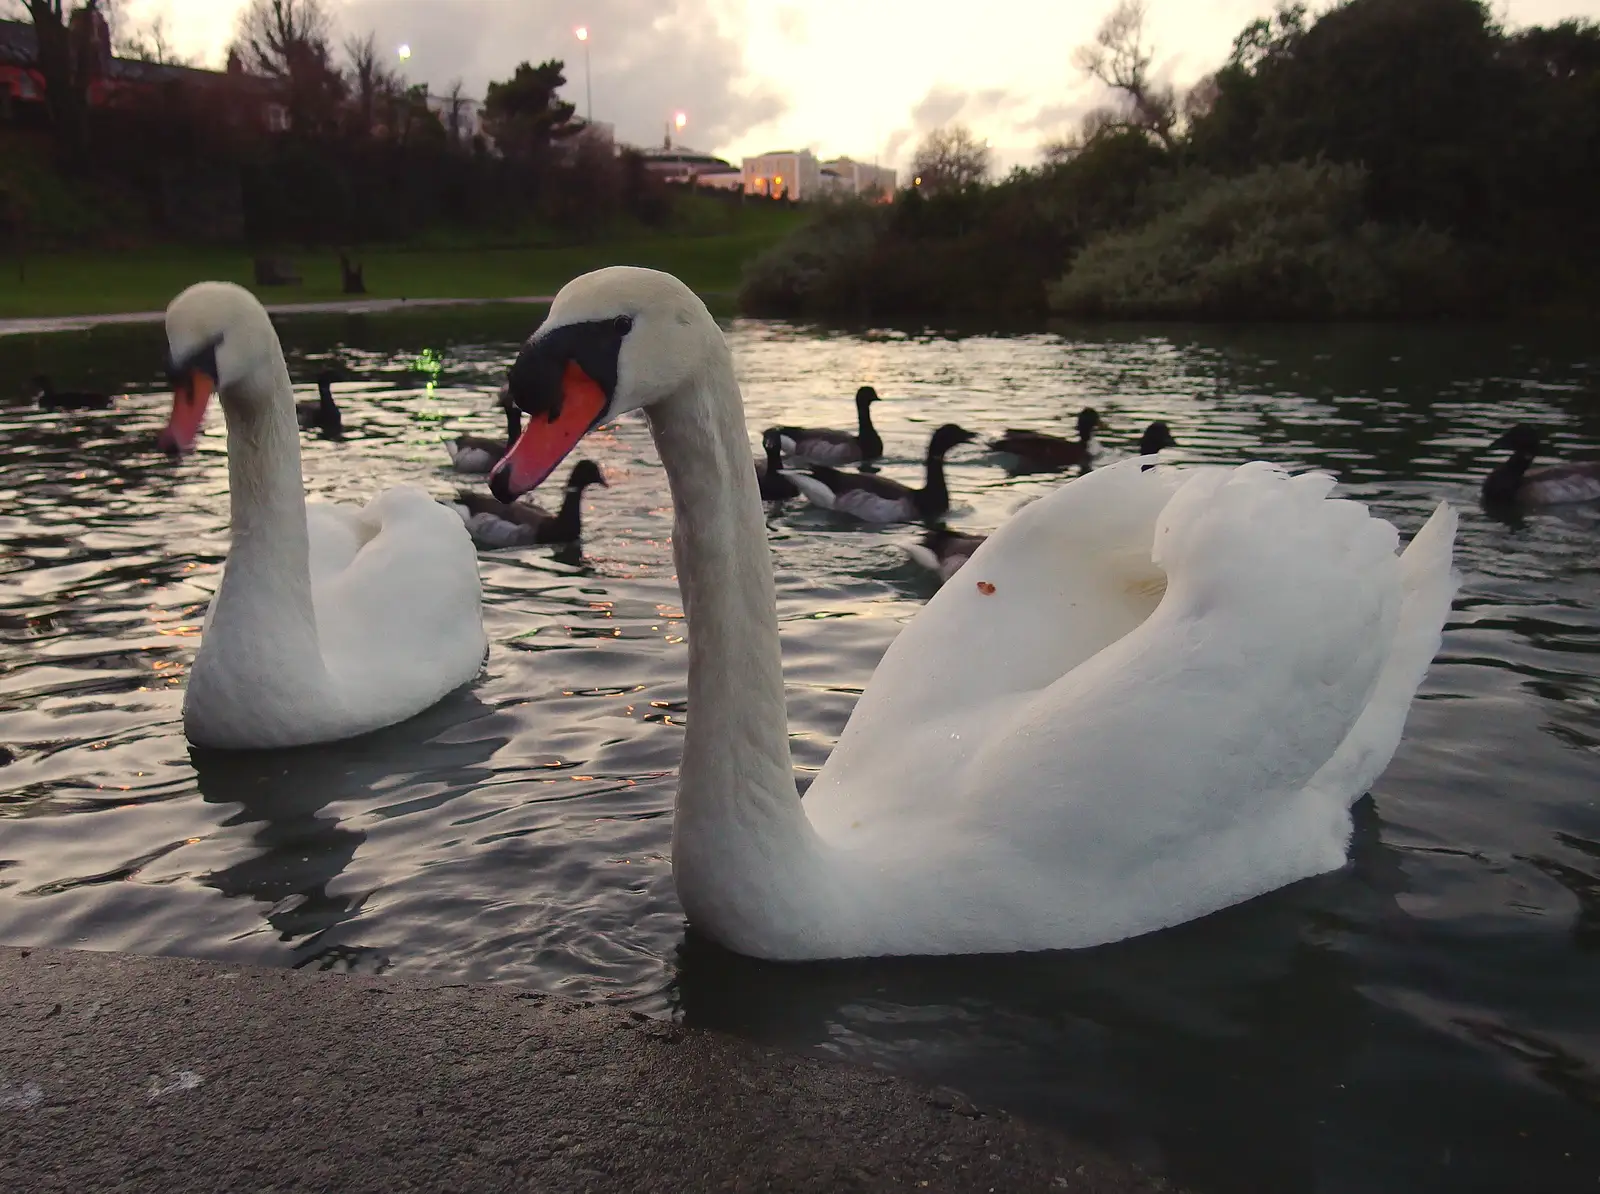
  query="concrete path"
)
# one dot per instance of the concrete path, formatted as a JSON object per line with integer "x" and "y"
{"x": 77, "y": 323}
{"x": 168, "y": 1074}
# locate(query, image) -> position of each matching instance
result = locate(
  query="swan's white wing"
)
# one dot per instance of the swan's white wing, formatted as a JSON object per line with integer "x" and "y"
{"x": 1200, "y": 756}
{"x": 401, "y": 624}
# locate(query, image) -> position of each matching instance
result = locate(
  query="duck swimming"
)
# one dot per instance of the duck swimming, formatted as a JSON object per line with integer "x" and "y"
{"x": 1038, "y": 450}
{"x": 477, "y": 453}
{"x": 874, "y": 498}
{"x": 1513, "y": 482}
{"x": 493, "y": 523}
{"x": 823, "y": 445}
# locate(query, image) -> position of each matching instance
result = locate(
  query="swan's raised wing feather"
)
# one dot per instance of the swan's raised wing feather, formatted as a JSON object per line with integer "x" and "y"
{"x": 413, "y": 581}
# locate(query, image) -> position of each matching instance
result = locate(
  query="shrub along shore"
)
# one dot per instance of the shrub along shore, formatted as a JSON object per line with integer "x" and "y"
{"x": 1388, "y": 158}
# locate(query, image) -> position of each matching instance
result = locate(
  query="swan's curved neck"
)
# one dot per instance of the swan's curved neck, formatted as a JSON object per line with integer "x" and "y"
{"x": 264, "y": 607}
{"x": 743, "y": 852}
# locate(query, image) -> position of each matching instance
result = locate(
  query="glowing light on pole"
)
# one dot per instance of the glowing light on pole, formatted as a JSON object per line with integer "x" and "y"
{"x": 404, "y": 51}
{"x": 588, "y": 92}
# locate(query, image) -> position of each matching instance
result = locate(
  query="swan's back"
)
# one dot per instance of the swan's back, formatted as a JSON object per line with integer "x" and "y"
{"x": 400, "y": 623}
{"x": 1177, "y": 686}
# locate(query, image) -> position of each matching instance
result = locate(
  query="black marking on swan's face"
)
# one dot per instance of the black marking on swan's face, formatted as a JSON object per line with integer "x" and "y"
{"x": 202, "y": 360}
{"x": 536, "y": 384}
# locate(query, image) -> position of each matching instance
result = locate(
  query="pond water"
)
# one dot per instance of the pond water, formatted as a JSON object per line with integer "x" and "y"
{"x": 1426, "y": 1019}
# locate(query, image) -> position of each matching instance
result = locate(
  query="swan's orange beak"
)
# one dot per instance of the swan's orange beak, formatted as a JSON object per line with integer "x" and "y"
{"x": 189, "y": 397}
{"x": 545, "y": 442}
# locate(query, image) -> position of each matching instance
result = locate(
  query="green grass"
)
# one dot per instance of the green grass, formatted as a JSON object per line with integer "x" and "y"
{"x": 94, "y": 283}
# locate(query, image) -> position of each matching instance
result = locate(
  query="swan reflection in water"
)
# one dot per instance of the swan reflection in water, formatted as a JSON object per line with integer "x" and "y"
{"x": 298, "y": 847}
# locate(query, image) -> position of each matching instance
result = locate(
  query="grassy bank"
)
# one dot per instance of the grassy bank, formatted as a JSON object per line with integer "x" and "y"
{"x": 146, "y": 279}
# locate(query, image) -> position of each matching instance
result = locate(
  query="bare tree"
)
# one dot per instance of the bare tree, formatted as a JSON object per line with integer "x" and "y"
{"x": 372, "y": 82}
{"x": 1119, "y": 58}
{"x": 287, "y": 40}
{"x": 272, "y": 34}
{"x": 949, "y": 159}
{"x": 455, "y": 111}
{"x": 151, "y": 42}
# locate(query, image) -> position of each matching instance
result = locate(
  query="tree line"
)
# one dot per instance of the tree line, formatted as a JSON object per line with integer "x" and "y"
{"x": 302, "y": 141}
{"x": 1380, "y": 158}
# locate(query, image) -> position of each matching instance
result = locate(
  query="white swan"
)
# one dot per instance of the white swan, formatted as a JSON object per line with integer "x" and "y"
{"x": 1150, "y": 695}
{"x": 330, "y": 621}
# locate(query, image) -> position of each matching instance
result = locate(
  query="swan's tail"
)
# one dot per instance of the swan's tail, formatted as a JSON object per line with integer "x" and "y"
{"x": 1428, "y": 585}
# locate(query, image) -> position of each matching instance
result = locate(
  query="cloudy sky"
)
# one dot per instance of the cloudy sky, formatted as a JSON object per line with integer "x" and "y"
{"x": 859, "y": 77}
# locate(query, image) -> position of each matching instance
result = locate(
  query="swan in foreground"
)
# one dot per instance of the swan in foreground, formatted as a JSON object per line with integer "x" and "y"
{"x": 1150, "y": 695}
{"x": 330, "y": 620}
{"x": 493, "y": 523}
{"x": 874, "y": 498}
{"x": 1513, "y": 482}
{"x": 323, "y": 414}
{"x": 774, "y": 483}
{"x": 823, "y": 445}
{"x": 1041, "y": 450}
{"x": 477, "y": 453}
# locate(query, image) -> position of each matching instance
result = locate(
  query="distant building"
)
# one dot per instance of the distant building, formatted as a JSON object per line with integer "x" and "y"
{"x": 22, "y": 84}
{"x": 851, "y": 177}
{"x": 783, "y": 174}
{"x": 729, "y": 179}
{"x": 679, "y": 163}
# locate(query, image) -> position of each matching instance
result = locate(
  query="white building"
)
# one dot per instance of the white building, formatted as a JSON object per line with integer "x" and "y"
{"x": 786, "y": 174}
{"x": 851, "y": 177}
{"x": 679, "y": 163}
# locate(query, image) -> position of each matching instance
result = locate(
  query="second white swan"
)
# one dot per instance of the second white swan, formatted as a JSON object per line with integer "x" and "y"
{"x": 1148, "y": 696}
{"x": 330, "y": 621}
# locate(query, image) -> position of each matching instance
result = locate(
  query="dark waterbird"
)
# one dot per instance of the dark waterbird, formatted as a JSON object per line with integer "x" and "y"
{"x": 50, "y": 398}
{"x": 872, "y": 498}
{"x": 823, "y": 445}
{"x": 477, "y": 453}
{"x": 494, "y": 523}
{"x": 323, "y": 414}
{"x": 1041, "y": 450}
{"x": 774, "y": 485}
{"x": 1513, "y": 482}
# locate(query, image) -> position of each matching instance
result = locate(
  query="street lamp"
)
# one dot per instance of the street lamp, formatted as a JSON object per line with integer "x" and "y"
{"x": 404, "y": 51}
{"x": 588, "y": 92}
{"x": 678, "y": 121}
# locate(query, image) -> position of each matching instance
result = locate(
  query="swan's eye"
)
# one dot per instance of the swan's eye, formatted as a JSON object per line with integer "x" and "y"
{"x": 623, "y": 324}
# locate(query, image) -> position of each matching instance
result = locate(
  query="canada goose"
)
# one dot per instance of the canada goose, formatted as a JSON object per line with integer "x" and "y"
{"x": 774, "y": 483}
{"x": 50, "y": 398}
{"x": 493, "y": 523}
{"x": 323, "y": 414}
{"x": 823, "y": 445}
{"x": 1040, "y": 450}
{"x": 477, "y": 453}
{"x": 874, "y": 498}
{"x": 1512, "y": 481}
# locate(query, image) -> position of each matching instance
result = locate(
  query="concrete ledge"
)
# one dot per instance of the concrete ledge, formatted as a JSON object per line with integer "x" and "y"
{"x": 168, "y": 1074}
